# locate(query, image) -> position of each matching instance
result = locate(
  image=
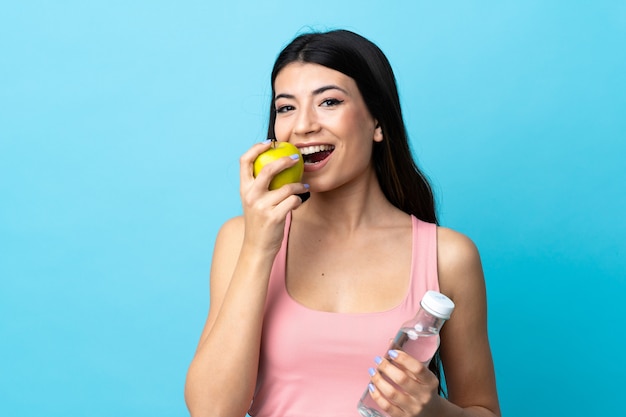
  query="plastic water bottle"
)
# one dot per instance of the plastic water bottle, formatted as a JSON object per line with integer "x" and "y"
{"x": 419, "y": 337}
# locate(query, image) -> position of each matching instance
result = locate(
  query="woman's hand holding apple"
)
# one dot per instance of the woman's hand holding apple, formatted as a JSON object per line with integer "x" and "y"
{"x": 276, "y": 151}
{"x": 265, "y": 209}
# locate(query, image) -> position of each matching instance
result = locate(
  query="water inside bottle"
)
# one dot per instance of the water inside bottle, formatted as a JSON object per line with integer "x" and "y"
{"x": 420, "y": 344}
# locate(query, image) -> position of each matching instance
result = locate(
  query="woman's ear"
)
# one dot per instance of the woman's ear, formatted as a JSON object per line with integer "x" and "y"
{"x": 378, "y": 133}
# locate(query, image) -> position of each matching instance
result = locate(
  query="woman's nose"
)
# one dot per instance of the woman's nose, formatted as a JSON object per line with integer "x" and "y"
{"x": 306, "y": 121}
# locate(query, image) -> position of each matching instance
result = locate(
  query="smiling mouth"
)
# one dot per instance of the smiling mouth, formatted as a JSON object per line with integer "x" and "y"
{"x": 316, "y": 154}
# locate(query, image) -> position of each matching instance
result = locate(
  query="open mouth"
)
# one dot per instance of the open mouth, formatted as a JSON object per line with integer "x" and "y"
{"x": 316, "y": 154}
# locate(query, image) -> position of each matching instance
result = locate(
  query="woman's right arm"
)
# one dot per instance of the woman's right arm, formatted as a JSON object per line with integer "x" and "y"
{"x": 222, "y": 375}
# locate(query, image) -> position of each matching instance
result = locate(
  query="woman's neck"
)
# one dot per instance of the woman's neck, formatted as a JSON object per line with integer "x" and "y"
{"x": 349, "y": 208}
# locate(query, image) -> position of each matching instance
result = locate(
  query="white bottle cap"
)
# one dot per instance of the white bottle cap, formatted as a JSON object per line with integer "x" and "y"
{"x": 437, "y": 304}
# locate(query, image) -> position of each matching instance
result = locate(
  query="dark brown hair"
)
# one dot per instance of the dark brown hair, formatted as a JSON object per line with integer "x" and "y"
{"x": 402, "y": 182}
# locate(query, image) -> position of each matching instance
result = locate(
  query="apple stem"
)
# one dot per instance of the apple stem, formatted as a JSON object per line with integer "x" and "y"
{"x": 273, "y": 142}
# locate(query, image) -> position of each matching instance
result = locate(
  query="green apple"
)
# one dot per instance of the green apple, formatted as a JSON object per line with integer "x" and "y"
{"x": 287, "y": 176}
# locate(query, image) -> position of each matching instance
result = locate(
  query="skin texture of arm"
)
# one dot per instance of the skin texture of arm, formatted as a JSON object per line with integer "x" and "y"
{"x": 465, "y": 351}
{"x": 223, "y": 364}
{"x": 465, "y": 348}
{"x": 222, "y": 375}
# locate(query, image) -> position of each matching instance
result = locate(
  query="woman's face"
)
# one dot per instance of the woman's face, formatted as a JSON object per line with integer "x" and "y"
{"x": 322, "y": 112}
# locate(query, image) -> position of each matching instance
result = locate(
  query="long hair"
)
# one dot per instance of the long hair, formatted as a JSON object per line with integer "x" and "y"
{"x": 402, "y": 182}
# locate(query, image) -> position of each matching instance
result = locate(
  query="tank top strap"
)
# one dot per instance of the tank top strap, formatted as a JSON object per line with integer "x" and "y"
{"x": 423, "y": 262}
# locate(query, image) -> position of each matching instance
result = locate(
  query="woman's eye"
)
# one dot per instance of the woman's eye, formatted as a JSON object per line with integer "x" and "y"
{"x": 284, "y": 109}
{"x": 331, "y": 102}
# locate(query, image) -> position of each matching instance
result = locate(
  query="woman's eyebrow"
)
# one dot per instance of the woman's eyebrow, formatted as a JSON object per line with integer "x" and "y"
{"x": 316, "y": 92}
{"x": 328, "y": 87}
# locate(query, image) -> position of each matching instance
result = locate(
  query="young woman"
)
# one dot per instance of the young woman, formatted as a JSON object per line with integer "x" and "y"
{"x": 305, "y": 296}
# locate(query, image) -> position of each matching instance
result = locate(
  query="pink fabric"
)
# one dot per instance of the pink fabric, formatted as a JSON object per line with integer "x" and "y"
{"x": 315, "y": 363}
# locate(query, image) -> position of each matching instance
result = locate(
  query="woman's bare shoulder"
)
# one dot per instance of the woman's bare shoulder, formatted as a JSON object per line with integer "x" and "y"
{"x": 230, "y": 233}
{"x": 458, "y": 261}
{"x": 234, "y": 225}
{"x": 454, "y": 245}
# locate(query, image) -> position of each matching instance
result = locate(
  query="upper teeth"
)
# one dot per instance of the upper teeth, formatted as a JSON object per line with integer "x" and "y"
{"x": 308, "y": 150}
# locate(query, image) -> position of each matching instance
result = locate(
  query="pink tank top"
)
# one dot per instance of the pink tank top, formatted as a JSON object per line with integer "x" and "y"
{"x": 315, "y": 363}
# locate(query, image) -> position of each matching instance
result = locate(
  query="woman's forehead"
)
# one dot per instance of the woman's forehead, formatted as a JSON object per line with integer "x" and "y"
{"x": 305, "y": 77}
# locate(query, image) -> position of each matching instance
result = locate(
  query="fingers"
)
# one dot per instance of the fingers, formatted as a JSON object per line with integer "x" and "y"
{"x": 288, "y": 197}
{"x": 269, "y": 170}
{"x": 403, "y": 369}
{"x": 402, "y": 385}
{"x": 416, "y": 369}
{"x": 265, "y": 210}
{"x": 246, "y": 160}
{"x": 386, "y": 395}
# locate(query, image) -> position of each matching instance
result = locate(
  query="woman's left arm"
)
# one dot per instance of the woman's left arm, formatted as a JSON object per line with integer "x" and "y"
{"x": 465, "y": 351}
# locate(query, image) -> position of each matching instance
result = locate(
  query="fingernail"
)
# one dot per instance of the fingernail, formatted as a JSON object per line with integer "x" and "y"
{"x": 266, "y": 141}
{"x": 304, "y": 196}
{"x": 370, "y": 387}
{"x": 378, "y": 360}
{"x": 294, "y": 156}
{"x": 393, "y": 354}
{"x": 307, "y": 186}
{"x": 372, "y": 371}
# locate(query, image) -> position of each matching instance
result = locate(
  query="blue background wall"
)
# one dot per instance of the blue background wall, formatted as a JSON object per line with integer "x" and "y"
{"x": 121, "y": 124}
